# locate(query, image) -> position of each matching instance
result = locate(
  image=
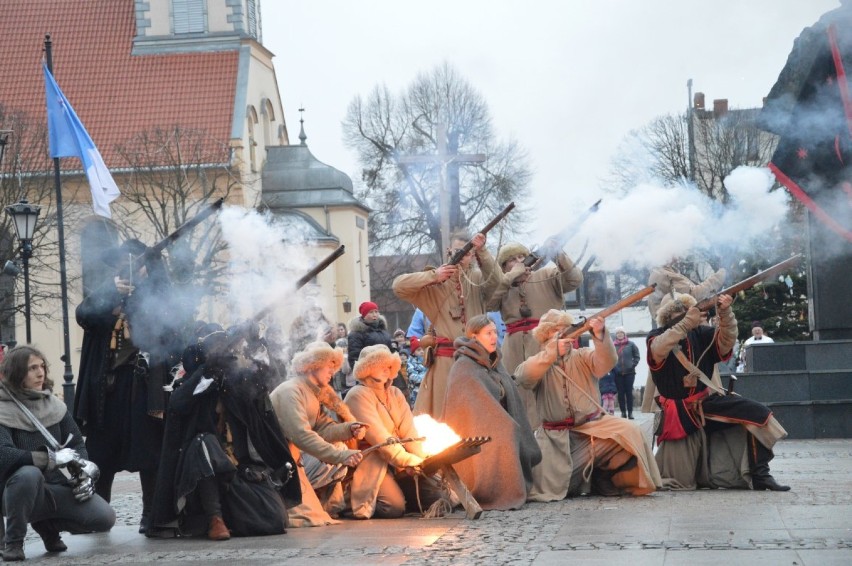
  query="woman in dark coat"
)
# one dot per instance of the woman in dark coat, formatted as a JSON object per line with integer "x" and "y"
{"x": 369, "y": 329}
{"x": 625, "y": 371}
{"x": 483, "y": 400}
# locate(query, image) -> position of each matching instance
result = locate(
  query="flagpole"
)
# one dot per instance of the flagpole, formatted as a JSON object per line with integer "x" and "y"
{"x": 68, "y": 376}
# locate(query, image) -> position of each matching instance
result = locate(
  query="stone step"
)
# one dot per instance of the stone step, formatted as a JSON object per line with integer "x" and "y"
{"x": 793, "y": 386}
{"x": 787, "y": 356}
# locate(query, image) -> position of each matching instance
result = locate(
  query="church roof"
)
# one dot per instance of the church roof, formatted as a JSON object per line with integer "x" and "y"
{"x": 298, "y": 222}
{"x": 117, "y": 95}
{"x": 293, "y": 177}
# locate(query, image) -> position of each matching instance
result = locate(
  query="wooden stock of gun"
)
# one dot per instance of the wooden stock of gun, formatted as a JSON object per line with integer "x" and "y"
{"x": 750, "y": 282}
{"x": 575, "y": 330}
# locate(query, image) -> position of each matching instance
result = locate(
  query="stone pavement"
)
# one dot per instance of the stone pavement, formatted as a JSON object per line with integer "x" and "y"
{"x": 810, "y": 525}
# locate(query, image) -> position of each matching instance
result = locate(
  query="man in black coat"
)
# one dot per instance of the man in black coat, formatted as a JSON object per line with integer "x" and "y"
{"x": 126, "y": 356}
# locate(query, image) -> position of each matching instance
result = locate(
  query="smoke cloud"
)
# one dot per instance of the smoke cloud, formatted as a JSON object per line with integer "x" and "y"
{"x": 652, "y": 224}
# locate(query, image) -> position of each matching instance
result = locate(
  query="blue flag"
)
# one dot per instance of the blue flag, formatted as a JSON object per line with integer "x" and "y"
{"x": 69, "y": 138}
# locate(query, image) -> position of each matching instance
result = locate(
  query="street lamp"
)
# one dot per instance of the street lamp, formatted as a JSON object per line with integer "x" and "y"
{"x": 25, "y": 215}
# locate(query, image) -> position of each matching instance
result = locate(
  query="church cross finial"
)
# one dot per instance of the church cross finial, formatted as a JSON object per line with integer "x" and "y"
{"x": 302, "y": 136}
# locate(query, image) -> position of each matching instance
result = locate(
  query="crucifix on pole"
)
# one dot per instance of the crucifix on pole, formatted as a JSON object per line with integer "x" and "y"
{"x": 443, "y": 158}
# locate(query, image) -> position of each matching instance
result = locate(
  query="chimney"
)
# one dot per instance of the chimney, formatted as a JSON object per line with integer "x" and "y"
{"x": 720, "y": 107}
{"x": 698, "y": 101}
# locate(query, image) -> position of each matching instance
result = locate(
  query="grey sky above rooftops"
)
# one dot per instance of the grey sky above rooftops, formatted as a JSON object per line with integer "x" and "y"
{"x": 567, "y": 78}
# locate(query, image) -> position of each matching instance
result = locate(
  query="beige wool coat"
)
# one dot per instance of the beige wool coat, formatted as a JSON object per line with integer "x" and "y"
{"x": 309, "y": 429}
{"x": 568, "y": 388}
{"x": 394, "y": 419}
{"x": 447, "y": 305}
{"x": 542, "y": 291}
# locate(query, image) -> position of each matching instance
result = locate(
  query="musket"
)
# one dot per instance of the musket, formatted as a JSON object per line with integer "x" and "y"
{"x": 184, "y": 228}
{"x": 316, "y": 270}
{"x": 750, "y": 282}
{"x": 541, "y": 256}
{"x": 321, "y": 266}
{"x": 747, "y": 283}
{"x": 245, "y": 328}
{"x": 459, "y": 255}
{"x": 390, "y": 441}
{"x": 575, "y": 330}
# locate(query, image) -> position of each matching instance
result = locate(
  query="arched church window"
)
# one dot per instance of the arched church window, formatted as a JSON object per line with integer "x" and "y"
{"x": 251, "y": 117}
{"x": 268, "y": 114}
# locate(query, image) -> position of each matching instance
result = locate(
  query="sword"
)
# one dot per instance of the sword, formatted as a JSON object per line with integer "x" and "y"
{"x": 54, "y": 444}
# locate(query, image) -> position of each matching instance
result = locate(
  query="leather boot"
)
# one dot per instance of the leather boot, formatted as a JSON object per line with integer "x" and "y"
{"x": 49, "y": 536}
{"x": 217, "y": 529}
{"x": 14, "y": 552}
{"x": 759, "y": 457}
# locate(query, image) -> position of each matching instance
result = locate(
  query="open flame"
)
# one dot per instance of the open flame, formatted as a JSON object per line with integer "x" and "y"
{"x": 439, "y": 436}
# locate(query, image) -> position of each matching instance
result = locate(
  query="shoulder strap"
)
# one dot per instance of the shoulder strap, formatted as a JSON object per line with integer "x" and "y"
{"x": 696, "y": 372}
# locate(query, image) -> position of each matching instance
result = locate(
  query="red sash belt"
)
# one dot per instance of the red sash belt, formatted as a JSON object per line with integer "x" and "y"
{"x": 558, "y": 425}
{"x": 522, "y": 325}
{"x": 444, "y": 347}
{"x": 672, "y": 426}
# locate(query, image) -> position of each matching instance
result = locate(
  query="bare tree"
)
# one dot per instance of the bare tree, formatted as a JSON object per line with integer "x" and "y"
{"x": 26, "y": 173}
{"x": 404, "y": 198}
{"x": 660, "y": 150}
{"x": 173, "y": 174}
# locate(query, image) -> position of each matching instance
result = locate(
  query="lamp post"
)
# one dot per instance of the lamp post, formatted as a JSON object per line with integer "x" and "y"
{"x": 25, "y": 215}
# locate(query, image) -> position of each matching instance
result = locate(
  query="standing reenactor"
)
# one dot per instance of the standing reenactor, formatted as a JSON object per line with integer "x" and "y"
{"x": 522, "y": 297}
{"x": 127, "y": 353}
{"x": 449, "y": 296}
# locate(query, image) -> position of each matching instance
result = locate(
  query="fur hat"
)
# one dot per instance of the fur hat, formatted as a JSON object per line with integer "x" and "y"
{"x": 757, "y": 324}
{"x": 510, "y": 250}
{"x": 620, "y": 329}
{"x": 315, "y": 355}
{"x": 373, "y": 357}
{"x": 552, "y": 322}
{"x": 672, "y": 307}
{"x": 366, "y": 307}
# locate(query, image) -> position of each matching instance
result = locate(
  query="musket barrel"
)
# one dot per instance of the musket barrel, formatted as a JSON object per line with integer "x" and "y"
{"x": 321, "y": 266}
{"x": 543, "y": 255}
{"x": 459, "y": 255}
{"x": 750, "y": 282}
{"x": 573, "y": 332}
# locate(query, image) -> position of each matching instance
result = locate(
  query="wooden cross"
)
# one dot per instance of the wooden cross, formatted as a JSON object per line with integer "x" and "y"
{"x": 443, "y": 158}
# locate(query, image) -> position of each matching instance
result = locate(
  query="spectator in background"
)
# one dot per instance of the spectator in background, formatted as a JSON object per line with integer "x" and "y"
{"x": 416, "y": 373}
{"x": 400, "y": 341}
{"x": 311, "y": 325}
{"x": 757, "y": 337}
{"x": 401, "y": 380}
{"x": 342, "y": 380}
{"x": 625, "y": 371}
{"x": 368, "y": 329}
{"x": 606, "y": 385}
{"x": 419, "y": 325}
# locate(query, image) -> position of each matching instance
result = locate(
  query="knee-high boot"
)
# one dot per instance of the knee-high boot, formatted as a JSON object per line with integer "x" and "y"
{"x": 759, "y": 457}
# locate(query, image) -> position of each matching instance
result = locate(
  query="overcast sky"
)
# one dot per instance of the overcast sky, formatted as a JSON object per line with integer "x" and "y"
{"x": 567, "y": 78}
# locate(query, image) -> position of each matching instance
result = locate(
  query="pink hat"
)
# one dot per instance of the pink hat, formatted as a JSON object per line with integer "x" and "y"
{"x": 366, "y": 307}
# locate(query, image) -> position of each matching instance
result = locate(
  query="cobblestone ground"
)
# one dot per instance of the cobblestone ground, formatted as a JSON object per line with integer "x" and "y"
{"x": 812, "y": 524}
